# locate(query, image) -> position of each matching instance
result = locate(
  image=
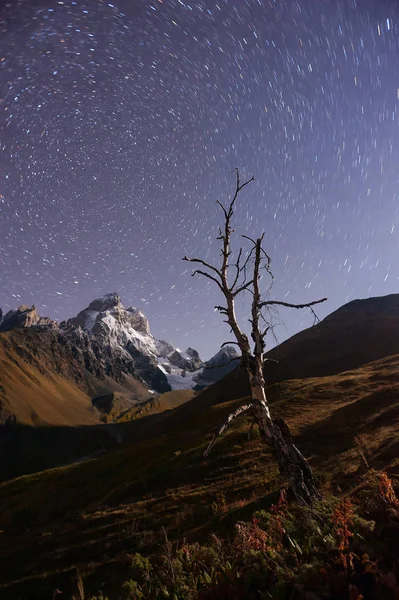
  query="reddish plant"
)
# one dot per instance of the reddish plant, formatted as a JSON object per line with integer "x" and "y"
{"x": 276, "y": 527}
{"x": 387, "y": 492}
{"x": 342, "y": 519}
{"x": 250, "y": 537}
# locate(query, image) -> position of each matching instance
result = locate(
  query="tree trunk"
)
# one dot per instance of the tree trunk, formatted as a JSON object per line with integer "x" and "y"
{"x": 293, "y": 466}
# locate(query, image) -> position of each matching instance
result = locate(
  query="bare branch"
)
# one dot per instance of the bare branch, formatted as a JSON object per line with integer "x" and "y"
{"x": 220, "y": 236}
{"x": 262, "y": 251}
{"x": 264, "y": 333}
{"x": 247, "y": 260}
{"x": 270, "y": 360}
{"x": 229, "y": 344}
{"x": 249, "y": 238}
{"x": 315, "y": 317}
{"x": 226, "y": 422}
{"x": 239, "y": 187}
{"x": 223, "y": 364}
{"x": 242, "y": 185}
{"x": 268, "y": 261}
{"x": 207, "y": 275}
{"x": 238, "y": 269}
{"x": 243, "y": 268}
{"x": 245, "y": 286}
{"x": 289, "y": 305}
{"x": 223, "y": 208}
{"x": 222, "y": 309}
{"x": 202, "y": 262}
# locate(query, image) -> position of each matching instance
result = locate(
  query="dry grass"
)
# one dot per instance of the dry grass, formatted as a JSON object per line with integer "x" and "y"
{"x": 43, "y": 383}
{"x": 92, "y": 515}
{"x": 38, "y": 396}
{"x": 156, "y": 405}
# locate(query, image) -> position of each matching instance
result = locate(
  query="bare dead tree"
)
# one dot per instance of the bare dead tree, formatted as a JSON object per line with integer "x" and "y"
{"x": 246, "y": 277}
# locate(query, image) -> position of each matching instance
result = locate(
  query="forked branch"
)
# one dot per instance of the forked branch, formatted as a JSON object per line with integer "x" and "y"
{"x": 202, "y": 262}
{"x": 220, "y": 277}
{"x": 292, "y": 465}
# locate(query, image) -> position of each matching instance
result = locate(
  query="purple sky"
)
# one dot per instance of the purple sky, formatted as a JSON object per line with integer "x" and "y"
{"x": 120, "y": 123}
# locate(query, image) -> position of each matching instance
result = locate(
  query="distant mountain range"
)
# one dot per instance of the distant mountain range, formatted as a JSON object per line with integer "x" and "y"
{"x": 90, "y": 376}
{"x": 105, "y": 349}
{"x": 335, "y": 384}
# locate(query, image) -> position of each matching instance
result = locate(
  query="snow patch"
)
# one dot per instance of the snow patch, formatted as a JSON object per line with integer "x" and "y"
{"x": 90, "y": 319}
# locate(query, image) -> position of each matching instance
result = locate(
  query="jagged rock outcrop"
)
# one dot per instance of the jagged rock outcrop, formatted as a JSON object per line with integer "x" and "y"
{"x": 138, "y": 321}
{"x": 194, "y": 357}
{"x": 99, "y": 359}
{"x": 114, "y": 341}
{"x": 126, "y": 336}
{"x": 24, "y": 316}
{"x": 149, "y": 370}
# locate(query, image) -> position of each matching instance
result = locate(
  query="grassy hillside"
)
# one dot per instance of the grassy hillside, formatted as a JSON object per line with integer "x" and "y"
{"x": 96, "y": 514}
{"x": 357, "y": 333}
{"x": 157, "y": 405}
{"x": 26, "y": 449}
{"x": 43, "y": 381}
{"x": 36, "y": 394}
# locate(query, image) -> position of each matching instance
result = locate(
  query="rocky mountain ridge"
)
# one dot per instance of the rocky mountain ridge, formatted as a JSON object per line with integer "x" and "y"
{"x": 24, "y": 316}
{"x": 116, "y": 341}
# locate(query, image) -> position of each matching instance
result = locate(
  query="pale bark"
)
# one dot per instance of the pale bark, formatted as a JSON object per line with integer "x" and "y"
{"x": 292, "y": 464}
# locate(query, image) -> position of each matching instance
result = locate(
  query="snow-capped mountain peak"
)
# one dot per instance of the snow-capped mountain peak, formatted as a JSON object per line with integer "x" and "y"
{"x": 138, "y": 320}
{"x": 106, "y": 302}
{"x": 116, "y": 341}
{"x": 127, "y": 332}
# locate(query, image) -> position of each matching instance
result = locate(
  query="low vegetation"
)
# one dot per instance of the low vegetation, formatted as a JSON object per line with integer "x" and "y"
{"x": 157, "y": 496}
{"x": 343, "y": 547}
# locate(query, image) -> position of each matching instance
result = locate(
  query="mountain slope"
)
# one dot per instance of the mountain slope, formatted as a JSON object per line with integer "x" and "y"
{"x": 33, "y": 391}
{"x": 45, "y": 381}
{"x": 96, "y": 514}
{"x": 125, "y": 332}
{"x": 105, "y": 349}
{"x": 114, "y": 409}
{"x": 48, "y": 378}
{"x": 359, "y": 332}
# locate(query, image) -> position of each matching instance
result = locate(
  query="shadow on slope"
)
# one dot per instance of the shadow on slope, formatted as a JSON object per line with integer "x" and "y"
{"x": 26, "y": 449}
{"x": 44, "y": 381}
{"x": 358, "y": 333}
{"x": 93, "y": 515}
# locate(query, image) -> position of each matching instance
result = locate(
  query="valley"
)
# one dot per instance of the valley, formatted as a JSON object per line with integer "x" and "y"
{"x": 92, "y": 515}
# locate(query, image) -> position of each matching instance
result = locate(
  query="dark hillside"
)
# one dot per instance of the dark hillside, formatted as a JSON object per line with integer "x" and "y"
{"x": 359, "y": 332}
{"x": 96, "y": 514}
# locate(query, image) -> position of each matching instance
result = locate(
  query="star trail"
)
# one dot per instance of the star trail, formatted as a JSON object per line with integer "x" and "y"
{"x": 120, "y": 124}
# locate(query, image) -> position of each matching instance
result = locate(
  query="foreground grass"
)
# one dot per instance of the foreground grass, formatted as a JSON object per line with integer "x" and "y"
{"x": 344, "y": 547}
{"x": 92, "y": 517}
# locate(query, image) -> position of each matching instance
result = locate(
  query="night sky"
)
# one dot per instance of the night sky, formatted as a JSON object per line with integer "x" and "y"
{"x": 120, "y": 123}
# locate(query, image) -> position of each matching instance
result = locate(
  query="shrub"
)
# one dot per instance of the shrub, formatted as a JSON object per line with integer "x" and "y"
{"x": 333, "y": 549}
